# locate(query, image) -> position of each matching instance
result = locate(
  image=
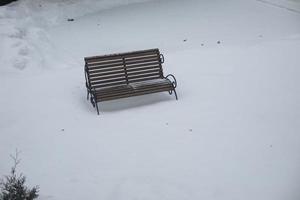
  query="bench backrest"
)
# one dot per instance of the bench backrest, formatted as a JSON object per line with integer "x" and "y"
{"x": 123, "y": 68}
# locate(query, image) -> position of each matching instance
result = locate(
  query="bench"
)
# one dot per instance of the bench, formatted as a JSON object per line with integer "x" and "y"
{"x": 122, "y": 75}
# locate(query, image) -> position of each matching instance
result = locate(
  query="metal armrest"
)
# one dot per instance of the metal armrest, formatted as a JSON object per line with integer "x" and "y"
{"x": 174, "y": 81}
{"x": 162, "y": 58}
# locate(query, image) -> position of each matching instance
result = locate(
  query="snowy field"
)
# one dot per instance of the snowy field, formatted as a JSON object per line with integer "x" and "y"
{"x": 234, "y": 133}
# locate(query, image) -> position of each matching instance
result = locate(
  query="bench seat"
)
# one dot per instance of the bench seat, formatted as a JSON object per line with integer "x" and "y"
{"x": 134, "y": 89}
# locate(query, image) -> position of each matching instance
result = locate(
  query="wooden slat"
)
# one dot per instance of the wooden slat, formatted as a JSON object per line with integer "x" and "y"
{"x": 96, "y": 75}
{"x": 130, "y": 77}
{"x": 128, "y": 60}
{"x": 142, "y": 57}
{"x": 154, "y": 64}
{"x": 120, "y": 55}
{"x": 143, "y": 69}
{"x": 141, "y": 62}
{"x": 145, "y": 85}
{"x": 108, "y": 81}
{"x": 142, "y": 79}
{"x": 93, "y": 80}
{"x": 110, "y": 84}
{"x": 143, "y": 72}
{"x": 114, "y": 89}
{"x": 105, "y": 70}
{"x": 100, "y": 65}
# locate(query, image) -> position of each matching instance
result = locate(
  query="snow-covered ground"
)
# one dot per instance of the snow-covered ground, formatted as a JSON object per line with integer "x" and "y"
{"x": 233, "y": 133}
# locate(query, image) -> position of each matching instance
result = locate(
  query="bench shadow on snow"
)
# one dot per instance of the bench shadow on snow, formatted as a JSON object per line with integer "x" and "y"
{"x": 134, "y": 102}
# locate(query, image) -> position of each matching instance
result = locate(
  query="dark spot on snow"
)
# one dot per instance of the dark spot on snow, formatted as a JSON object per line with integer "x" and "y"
{"x": 271, "y": 146}
{"x": 202, "y": 44}
{"x": 260, "y": 36}
{"x": 62, "y": 129}
{"x": 70, "y": 19}
{"x": 98, "y": 24}
{"x": 219, "y": 42}
{"x": 190, "y": 130}
{"x": 184, "y": 40}
{"x": 167, "y": 123}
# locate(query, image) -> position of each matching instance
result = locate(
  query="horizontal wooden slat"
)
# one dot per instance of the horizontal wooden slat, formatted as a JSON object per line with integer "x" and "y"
{"x": 100, "y": 65}
{"x": 113, "y": 89}
{"x": 127, "y": 54}
{"x": 131, "y": 74}
{"x": 96, "y": 75}
{"x": 108, "y": 77}
{"x": 110, "y": 84}
{"x": 108, "y": 81}
{"x": 143, "y": 85}
{"x": 143, "y": 58}
{"x": 105, "y": 70}
{"x": 141, "y": 68}
{"x": 142, "y": 79}
{"x": 142, "y": 62}
{"x": 154, "y": 64}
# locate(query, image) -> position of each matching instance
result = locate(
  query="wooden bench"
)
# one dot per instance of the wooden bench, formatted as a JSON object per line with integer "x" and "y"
{"x": 122, "y": 75}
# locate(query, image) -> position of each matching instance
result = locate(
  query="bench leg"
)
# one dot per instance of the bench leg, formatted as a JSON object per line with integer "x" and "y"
{"x": 175, "y": 94}
{"x": 97, "y": 108}
{"x": 88, "y": 94}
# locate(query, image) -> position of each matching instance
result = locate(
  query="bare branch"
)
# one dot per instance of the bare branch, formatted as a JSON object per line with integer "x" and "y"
{"x": 16, "y": 160}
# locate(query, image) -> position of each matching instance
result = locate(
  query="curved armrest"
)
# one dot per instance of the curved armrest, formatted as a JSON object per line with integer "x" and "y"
{"x": 162, "y": 58}
{"x": 174, "y": 82}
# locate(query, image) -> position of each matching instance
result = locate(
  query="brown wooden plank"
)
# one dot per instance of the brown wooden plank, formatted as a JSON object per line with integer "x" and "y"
{"x": 106, "y": 65}
{"x": 142, "y": 69}
{"x": 152, "y": 57}
{"x": 120, "y": 55}
{"x": 113, "y": 89}
{"x": 143, "y": 75}
{"x": 142, "y": 62}
{"x": 143, "y": 79}
{"x": 99, "y": 78}
{"x": 108, "y": 81}
{"x": 154, "y": 64}
{"x": 111, "y": 84}
{"x": 96, "y": 75}
{"x": 131, "y": 74}
{"x": 107, "y": 70}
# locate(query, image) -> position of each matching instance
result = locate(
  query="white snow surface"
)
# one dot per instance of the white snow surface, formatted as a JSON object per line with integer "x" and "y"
{"x": 234, "y": 133}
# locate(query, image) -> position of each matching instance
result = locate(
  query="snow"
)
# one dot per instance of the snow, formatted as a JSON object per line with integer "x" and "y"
{"x": 233, "y": 133}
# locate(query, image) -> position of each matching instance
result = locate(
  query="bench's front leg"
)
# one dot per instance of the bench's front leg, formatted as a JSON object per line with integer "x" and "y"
{"x": 94, "y": 100}
{"x": 88, "y": 90}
